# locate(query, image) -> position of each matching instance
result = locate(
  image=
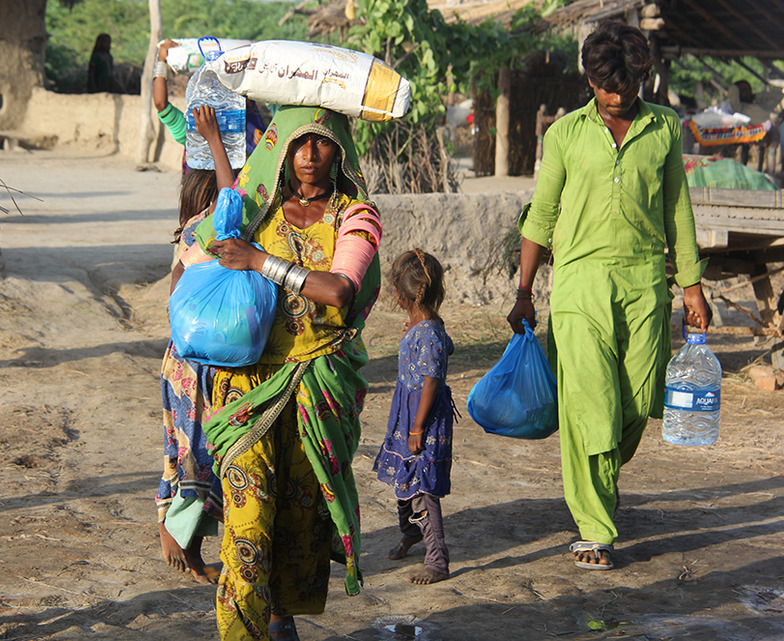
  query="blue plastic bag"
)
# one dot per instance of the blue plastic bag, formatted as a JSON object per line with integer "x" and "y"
{"x": 517, "y": 397}
{"x": 227, "y": 218}
{"x": 222, "y": 316}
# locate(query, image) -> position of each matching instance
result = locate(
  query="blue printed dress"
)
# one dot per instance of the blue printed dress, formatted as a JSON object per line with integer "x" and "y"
{"x": 424, "y": 351}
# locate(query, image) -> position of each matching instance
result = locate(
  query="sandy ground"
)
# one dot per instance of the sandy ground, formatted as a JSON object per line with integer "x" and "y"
{"x": 82, "y": 331}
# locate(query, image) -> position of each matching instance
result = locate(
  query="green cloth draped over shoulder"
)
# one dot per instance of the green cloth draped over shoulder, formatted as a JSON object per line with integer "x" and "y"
{"x": 329, "y": 390}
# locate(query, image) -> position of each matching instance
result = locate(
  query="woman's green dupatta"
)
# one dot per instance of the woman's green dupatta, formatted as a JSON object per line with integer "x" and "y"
{"x": 329, "y": 400}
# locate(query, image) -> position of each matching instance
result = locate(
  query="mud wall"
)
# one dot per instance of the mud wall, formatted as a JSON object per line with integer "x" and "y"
{"x": 473, "y": 235}
{"x": 100, "y": 122}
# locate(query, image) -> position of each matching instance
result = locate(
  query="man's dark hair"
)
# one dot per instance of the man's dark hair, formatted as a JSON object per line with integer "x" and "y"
{"x": 616, "y": 57}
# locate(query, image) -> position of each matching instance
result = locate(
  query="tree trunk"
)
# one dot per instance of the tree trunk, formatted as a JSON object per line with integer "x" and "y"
{"x": 146, "y": 131}
{"x": 22, "y": 46}
{"x": 502, "y": 123}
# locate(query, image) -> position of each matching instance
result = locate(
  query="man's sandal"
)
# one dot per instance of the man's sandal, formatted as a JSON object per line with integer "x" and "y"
{"x": 592, "y": 548}
{"x": 283, "y": 630}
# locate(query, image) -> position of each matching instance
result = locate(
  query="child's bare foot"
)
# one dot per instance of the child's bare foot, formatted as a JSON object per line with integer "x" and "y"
{"x": 427, "y": 576}
{"x": 402, "y": 548}
{"x": 201, "y": 572}
{"x": 173, "y": 554}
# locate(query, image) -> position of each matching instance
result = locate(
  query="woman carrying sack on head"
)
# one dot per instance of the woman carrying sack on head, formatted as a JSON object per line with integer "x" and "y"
{"x": 289, "y": 426}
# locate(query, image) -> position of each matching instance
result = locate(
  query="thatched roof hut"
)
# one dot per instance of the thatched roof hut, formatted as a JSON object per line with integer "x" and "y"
{"x": 720, "y": 28}
{"x": 715, "y": 28}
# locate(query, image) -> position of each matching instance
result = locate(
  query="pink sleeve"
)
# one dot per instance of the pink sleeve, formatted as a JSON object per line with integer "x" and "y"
{"x": 353, "y": 253}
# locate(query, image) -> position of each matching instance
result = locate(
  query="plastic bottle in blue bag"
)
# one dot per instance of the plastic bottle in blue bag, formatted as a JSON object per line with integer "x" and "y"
{"x": 692, "y": 394}
{"x": 222, "y": 316}
{"x": 204, "y": 89}
{"x": 517, "y": 397}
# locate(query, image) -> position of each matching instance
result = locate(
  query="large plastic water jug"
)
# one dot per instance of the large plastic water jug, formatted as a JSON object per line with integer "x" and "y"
{"x": 692, "y": 394}
{"x": 204, "y": 89}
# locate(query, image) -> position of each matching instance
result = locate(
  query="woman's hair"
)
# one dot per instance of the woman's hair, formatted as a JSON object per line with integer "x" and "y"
{"x": 198, "y": 191}
{"x": 418, "y": 279}
{"x": 616, "y": 57}
{"x": 103, "y": 43}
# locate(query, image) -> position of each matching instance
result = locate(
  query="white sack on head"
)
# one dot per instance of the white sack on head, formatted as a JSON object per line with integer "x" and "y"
{"x": 287, "y": 72}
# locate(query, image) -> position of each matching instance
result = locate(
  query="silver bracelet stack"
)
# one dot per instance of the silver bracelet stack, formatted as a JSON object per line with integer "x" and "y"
{"x": 275, "y": 269}
{"x": 284, "y": 273}
{"x": 160, "y": 70}
{"x": 295, "y": 278}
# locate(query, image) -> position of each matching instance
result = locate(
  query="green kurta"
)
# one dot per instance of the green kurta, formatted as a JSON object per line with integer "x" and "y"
{"x": 620, "y": 208}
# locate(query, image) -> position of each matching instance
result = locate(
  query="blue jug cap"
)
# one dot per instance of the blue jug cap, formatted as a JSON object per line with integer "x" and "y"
{"x": 213, "y": 52}
{"x": 695, "y": 338}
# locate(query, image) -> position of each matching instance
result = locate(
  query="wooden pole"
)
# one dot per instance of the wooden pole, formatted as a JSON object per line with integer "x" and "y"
{"x": 146, "y": 131}
{"x": 502, "y": 122}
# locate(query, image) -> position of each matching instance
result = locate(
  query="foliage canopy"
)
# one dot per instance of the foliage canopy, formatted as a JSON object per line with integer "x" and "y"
{"x": 72, "y": 32}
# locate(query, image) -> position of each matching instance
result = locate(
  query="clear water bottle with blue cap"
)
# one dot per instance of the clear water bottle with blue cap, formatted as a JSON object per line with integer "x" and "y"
{"x": 204, "y": 89}
{"x": 692, "y": 394}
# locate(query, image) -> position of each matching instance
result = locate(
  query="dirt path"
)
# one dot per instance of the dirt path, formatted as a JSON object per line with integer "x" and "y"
{"x": 82, "y": 331}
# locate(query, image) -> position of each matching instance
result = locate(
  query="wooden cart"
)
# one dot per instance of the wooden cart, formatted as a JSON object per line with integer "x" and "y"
{"x": 742, "y": 232}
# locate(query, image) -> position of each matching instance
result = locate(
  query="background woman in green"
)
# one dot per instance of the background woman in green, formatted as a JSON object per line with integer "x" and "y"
{"x": 100, "y": 70}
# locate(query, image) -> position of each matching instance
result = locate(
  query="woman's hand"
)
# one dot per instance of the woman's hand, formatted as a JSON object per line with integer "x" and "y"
{"x": 163, "y": 50}
{"x": 207, "y": 126}
{"x": 523, "y": 309}
{"x": 206, "y": 123}
{"x": 235, "y": 253}
{"x": 696, "y": 310}
{"x": 415, "y": 443}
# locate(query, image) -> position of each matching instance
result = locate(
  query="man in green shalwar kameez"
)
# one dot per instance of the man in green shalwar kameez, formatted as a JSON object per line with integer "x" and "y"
{"x": 610, "y": 197}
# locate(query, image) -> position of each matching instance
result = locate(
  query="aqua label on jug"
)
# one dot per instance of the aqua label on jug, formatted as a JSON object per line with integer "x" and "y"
{"x": 679, "y": 399}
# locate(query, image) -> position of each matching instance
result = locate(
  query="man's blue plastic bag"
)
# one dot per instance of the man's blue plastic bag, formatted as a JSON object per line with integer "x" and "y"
{"x": 517, "y": 397}
{"x": 222, "y": 316}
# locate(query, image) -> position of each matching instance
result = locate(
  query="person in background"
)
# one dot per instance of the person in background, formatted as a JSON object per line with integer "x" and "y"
{"x": 741, "y": 99}
{"x": 610, "y": 198}
{"x": 100, "y": 69}
{"x": 189, "y": 497}
{"x": 416, "y": 455}
{"x": 764, "y": 107}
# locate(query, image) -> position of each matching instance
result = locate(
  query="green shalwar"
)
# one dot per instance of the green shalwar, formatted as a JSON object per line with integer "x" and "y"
{"x": 610, "y": 305}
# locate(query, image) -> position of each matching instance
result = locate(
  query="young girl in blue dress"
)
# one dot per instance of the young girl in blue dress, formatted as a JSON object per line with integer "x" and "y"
{"x": 416, "y": 456}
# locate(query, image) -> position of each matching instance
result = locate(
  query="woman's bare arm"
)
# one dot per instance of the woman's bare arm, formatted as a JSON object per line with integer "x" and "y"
{"x": 320, "y": 287}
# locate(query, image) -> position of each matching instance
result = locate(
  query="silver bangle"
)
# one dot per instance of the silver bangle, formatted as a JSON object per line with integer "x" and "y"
{"x": 160, "y": 70}
{"x": 275, "y": 269}
{"x": 295, "y": 279}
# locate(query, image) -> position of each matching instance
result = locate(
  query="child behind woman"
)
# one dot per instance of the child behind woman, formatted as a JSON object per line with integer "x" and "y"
{"x": 416, "y": 456}
{"x": 189, "y": 498}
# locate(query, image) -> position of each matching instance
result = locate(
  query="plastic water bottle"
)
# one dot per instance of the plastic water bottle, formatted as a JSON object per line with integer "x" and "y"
{"x": 692, "y": 394}
{"x": 204, "y": 89}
